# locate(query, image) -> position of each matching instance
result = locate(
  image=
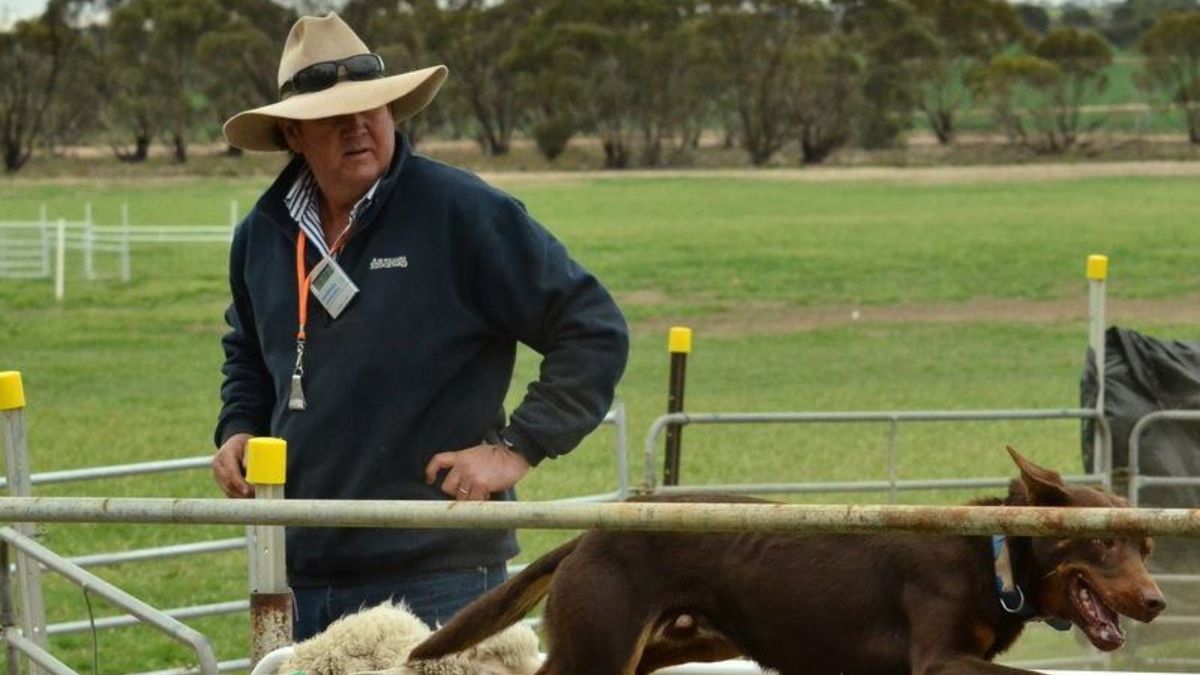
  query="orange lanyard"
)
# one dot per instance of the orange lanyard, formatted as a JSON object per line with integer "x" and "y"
{"x": 304, "y": 280}
{"x": 296, "y": 399}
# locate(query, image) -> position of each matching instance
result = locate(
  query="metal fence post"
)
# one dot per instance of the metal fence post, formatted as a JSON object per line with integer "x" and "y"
{"x": 7, "y": 615}
{"x": 270, "y": 597}
{"x": 1097, "y": 274}
{"x": 43, "y": 228}
{"x": 12, "y": 407}
{"x": 89, "y": 244}
{"x": 679, "y": 344}
{"x": 125, "y": 266}
{"x": 60, "y": 261}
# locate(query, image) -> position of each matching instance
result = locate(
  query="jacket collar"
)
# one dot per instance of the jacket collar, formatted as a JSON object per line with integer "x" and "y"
{"x": 272, "y": 204}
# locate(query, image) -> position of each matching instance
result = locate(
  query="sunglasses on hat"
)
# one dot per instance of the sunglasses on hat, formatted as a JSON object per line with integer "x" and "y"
{"x": 324, "y": 75}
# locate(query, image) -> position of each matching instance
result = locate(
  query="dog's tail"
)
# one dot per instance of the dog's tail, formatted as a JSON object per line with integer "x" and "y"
{"x": 495, "y": 610}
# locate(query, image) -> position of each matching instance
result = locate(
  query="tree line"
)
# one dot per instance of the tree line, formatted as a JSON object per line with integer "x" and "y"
{"x": 645, "y": 77}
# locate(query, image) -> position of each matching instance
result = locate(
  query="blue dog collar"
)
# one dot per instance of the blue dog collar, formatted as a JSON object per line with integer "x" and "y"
{"x": 1012, "y": 598}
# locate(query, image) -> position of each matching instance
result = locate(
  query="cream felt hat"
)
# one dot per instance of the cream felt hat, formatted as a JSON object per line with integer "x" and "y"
{"x": 318, "y": 40}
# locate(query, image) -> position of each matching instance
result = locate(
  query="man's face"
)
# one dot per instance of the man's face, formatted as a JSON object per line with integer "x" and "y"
{"x": 347, "y": 152}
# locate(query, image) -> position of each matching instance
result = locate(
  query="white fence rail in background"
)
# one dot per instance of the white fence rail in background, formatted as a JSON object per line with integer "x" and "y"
{"x": 37, "y": 249}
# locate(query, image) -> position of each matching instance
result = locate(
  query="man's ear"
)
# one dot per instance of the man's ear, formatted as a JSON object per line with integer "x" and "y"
{"x": 1044, "y": 486}
{"x": 290, "y": 131}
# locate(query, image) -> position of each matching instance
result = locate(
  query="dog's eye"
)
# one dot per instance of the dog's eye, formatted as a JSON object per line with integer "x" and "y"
{"x": 1107, "y": 544}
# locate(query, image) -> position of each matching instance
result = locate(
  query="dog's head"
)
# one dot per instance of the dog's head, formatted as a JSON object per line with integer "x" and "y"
{"x": 1088, "y": 582}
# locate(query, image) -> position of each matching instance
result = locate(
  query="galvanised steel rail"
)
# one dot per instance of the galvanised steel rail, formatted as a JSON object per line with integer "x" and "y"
{"x": 123, "y": 620}
{"x": 116, "y": 471}
{"x": 172, "y": 628}
{"x": 159, "y": 552}
{"x": 890, "y": 417}
{"x": 639, "y": 516}
{"x": 1136, "y": 479}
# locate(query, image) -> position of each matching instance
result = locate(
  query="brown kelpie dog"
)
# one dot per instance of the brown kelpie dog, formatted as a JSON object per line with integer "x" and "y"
{"x": 625, "y": 603}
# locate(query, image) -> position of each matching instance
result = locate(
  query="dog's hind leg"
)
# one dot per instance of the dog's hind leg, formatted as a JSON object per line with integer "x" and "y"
{"x": 595, "y": 625}
{"x": 597, "y": 649}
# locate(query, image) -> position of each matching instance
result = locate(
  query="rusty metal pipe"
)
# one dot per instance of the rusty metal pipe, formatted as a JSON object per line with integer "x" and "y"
{"x": 971, "y": 520}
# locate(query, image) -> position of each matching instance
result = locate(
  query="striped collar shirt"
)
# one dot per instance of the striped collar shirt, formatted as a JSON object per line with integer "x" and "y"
{"x": 303, "y": 204}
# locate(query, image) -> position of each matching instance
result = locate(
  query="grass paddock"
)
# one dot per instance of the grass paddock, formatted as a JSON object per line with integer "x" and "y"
{"x": 969, "y": 295}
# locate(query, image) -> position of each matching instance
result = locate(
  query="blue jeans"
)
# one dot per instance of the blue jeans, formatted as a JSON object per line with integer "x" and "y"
{"x": 432, "y": 596}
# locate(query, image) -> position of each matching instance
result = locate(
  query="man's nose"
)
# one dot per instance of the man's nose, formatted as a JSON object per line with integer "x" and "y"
{"x": 352, "y": 120}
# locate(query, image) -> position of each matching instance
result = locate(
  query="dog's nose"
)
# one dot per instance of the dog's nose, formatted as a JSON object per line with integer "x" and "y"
{"x": 1154, "y": 602}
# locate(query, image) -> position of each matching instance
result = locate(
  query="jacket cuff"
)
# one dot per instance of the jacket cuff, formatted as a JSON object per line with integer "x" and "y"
{"x": 521, "y": 444}
{"x": 236, "y": 425}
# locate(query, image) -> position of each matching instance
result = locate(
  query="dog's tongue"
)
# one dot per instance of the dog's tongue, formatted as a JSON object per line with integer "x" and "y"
{"x": 1098, "y": 621}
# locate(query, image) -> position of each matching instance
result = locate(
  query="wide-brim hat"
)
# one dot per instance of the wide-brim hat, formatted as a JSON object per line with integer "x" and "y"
{"x": 316, "y": 40}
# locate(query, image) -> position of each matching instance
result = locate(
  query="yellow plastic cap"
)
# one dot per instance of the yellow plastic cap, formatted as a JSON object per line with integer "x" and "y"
{"x": 680, "y": 340}
{"x": 266, "y": 461}
{"x": 1097, "y": 267}
{"x": 12, "y": 394}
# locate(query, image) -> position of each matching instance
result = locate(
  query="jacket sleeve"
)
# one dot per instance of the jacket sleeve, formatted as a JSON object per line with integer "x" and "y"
{"x": 247, "y": 394}
{"x": 529, "y": 287}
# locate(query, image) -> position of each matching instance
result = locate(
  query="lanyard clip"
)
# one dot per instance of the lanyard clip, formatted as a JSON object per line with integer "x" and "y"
{"x": 296, "y": 394}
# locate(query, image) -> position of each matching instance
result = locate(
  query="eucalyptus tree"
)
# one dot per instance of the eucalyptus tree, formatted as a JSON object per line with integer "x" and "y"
{"x": 1039, "y": 97}
{"x": 952, "y": 39}
{"x": 1171, "y": 49}
{"x": 828, "y": 89}
{"x": 622, "y": 69}
{"x": 760, "y": 50}
{"x": 1034, "y": 17}
{"x": 885, "y": 34}
{"x": 554, "y": 77}
{"x": 1082, "y": 57}
{"x": 155, "y": 70}
{"x": 239, "y": 58}
{"x": 37, "y": 56}
{"x": 1127, "y": 21}
{"x": 473, "y": 37}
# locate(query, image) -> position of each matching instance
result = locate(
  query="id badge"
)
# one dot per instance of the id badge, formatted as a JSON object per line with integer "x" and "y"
{"x": 332, "y": 286}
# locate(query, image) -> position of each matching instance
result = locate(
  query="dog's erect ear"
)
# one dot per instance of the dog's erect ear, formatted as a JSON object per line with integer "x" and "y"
{"x": 1044, "y": 486}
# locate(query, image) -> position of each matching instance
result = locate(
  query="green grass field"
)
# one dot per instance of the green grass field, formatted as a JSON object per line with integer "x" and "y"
{"x": 765, "y": 271}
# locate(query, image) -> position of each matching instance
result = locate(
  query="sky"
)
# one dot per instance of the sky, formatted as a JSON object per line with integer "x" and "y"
{"x": 13, "y": 10}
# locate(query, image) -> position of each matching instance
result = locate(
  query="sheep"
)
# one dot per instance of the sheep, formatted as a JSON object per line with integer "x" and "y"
{"x": 378, "y": 640}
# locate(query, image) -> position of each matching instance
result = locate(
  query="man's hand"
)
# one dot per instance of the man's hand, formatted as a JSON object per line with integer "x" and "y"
{"x": 477, "y": 472}
{"x": 229, "y": 467}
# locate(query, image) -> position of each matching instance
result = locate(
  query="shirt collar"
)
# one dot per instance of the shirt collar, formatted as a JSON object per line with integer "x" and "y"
{"x": 303, "y": 206}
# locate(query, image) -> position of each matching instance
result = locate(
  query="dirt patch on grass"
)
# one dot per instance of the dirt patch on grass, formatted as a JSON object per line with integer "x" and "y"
{"x": 765, "y": 318}
{"x": 937, "y": 175}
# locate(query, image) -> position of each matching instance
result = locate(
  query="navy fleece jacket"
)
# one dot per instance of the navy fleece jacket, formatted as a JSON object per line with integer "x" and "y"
{"x": 452, "y": 274}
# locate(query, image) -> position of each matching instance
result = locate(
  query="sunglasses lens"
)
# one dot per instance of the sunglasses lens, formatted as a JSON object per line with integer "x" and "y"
{"x": 363, "y": 67}
{"x": 324, "y": 75}
{"x": 315, "y": 78}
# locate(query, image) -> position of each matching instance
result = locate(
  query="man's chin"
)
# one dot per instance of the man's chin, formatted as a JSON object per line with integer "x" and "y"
{"x": 363, "y": 168}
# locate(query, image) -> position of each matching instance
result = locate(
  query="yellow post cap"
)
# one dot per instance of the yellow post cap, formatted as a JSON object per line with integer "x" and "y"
{"x": 680, "y": 340}
{"x": 12, "y": 394}
{"x": 266, "y": 461}
{"x": 1097, "y": 267}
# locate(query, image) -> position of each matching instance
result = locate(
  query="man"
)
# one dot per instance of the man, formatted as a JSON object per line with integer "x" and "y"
{"x": 378, "y": 297}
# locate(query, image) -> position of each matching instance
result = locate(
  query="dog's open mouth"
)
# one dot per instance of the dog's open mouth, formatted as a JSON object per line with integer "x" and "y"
{"x": 1097, "y": 620}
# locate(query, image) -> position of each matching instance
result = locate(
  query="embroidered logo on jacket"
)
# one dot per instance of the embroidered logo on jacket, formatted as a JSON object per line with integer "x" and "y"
{"x": 388, "y": 263}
